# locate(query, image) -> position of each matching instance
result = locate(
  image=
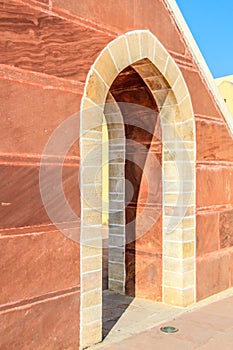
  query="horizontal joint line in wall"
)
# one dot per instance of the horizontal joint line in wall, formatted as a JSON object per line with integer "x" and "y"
{"x": 39, "y": 299}
{"x": 183, "y": 142}
{"x": 42, "y": 80}
{"x": 177, "y": 192}
{"x": 211, "y": 118}
{"x": 91, "y": 323}
{"x": 38, "y": 164}
{"x": 91, "y": 291}
{"x": 212, "y": 163}
{"x": 90, "y": 209}
{"x": 91, "y": 256}
{"x": 118, "y": 235}
{"x": 115, "y": 280}
{"x": 177, "y": 241}
{"x": 119, "y": 193}
{"x": 179, "y": 273}
{"x": 179, "y": 161}
{"x": 120, "y": 177}
{"x": 116, "y": 246}
{"x": 6, "y": 233}
{"x": 178, "y": 216}
{"x": 180, "y": 259}
{"x": 92, "y": 307}
{"x": 98, "y": 141}
{"x": 179, "y": 182}
{"x": 88, "y": 272}
{"x": 178, "y": 288}
{"x": 98, "y": 240}
{"x": 84, "y": 167}
{"x": 115, "y": 225}
{"x": 82, "y": 136}
{"x": 215, "y": 208}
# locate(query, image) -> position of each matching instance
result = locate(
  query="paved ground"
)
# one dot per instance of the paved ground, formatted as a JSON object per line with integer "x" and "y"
{"x": 209, "y": 326}
{"x": 124, "y": 316}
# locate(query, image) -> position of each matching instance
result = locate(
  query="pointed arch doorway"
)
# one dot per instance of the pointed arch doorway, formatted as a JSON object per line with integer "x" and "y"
{"x": 135, "y": 191}
{"x": 137, "y": 67}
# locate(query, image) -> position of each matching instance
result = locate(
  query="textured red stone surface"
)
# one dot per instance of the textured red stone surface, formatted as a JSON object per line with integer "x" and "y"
{"x": 214, "y": 185}
{"x": 202, "y": 100}
{"x": 226, "y": 228}
{"x": 207, "y": 227}
{"x": 50, "y": 265}
{"x": 103, "y": 13}
{"x": 33, "y": 40}
{"x": 144, "y": 275}
{"x": 21, "y": 197}
{"x": 132, "y": 15}
{"x": 151, "y": 241}
{"x": 30, "y": 114}
{"x": 214, "y": 201}
{"x": 40, "y": 265}
{"x": 46, "y": 324}
{"x": 213, "y": 274}
{"x": 214, "y": 142}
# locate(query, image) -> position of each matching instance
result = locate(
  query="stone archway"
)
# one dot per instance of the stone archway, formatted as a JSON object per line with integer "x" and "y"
{"x": 165, "y": 81}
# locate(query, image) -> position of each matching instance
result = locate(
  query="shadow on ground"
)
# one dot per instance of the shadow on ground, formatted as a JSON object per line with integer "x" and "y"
{"x": 114, "y": 306}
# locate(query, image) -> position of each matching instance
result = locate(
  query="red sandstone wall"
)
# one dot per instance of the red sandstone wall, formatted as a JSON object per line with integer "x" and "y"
{"x": 214, "y": 206}
{"x": 39, "y": 265}
{"x": 46, "y": 52}
{"x": 40, "y": 282}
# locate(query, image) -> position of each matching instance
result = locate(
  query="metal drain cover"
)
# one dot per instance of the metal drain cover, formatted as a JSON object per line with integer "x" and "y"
{"x": 169, "y": 329}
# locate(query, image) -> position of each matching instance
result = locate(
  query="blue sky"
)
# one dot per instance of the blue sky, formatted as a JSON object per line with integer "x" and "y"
{"x": 211, "y": 23}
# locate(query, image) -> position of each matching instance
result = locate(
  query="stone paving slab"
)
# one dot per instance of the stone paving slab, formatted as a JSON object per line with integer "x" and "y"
{"x": 124, "y": 316}
{"x": 207, "y": 328}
